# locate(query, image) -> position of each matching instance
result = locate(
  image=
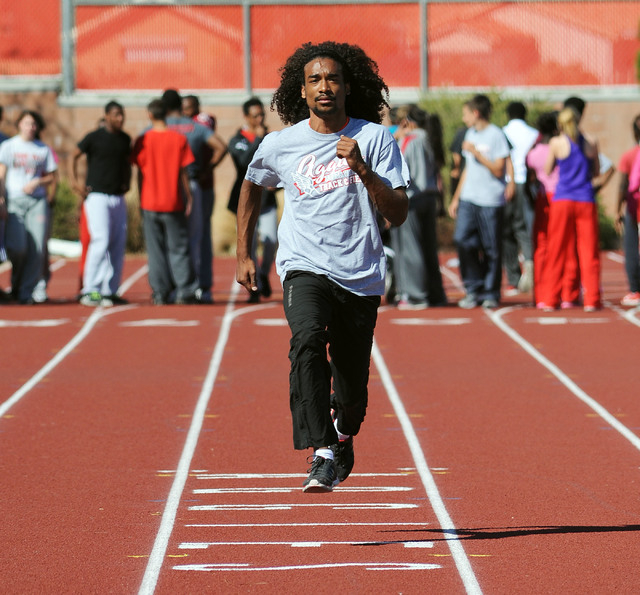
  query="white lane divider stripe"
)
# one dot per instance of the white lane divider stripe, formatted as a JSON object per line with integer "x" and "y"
{"x": 496, "y": 318}
{"x": 455, "y": 545}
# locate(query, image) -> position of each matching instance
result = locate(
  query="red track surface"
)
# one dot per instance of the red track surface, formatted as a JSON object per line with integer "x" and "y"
{"x": 500, "y": 452}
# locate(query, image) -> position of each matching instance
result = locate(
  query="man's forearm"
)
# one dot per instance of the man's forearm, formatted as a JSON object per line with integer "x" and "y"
{"x": 391, "y": 203}
{"x": 247, "y": 217}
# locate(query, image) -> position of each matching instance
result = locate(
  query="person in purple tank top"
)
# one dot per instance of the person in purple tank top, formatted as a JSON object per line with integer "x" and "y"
{"x": 573, "y": 213}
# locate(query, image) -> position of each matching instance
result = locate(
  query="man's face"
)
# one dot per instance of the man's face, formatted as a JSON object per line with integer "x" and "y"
{"x": 469, "y": 116}
{"x": 189, "y": 108}
{"x": 255, "y": 117}
{"x": 28, "y": 127}
{"x": 114, "y": 118}
{"x": 324, "y": 87}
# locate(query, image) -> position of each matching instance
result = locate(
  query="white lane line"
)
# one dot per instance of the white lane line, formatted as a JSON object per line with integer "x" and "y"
{"x": 496, "y": 318}
{"x": 126, "y": 286}
{"x": 453, "y": 277}
{"x": 367, "y": 565}
{"x": 455, "y": 546}
{"x": 156, "y": 558}
{"x": 58, "y": 264}
{"x": 161, "y": 322}
{"x": 630, "y": 315}
{"x": 301, "y": 544}
{"x": 59, "y": 357}
{"x": 615, "y": 257}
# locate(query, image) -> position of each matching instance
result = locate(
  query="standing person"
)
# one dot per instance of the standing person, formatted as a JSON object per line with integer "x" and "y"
{"x": 338, "y": 167}
{"x": 478, "y": 205}
{"x": 107, "y": 151}
{"x": 198, "y": 136}
{"x": 627, "y": 220}
{"x": 573, "y": 214}
{"x": 543, "y": 187}
{"x": 518, "y": 212}
{"x": 3, "y": 209}
{"x": 191, "y": 109}
{"x": 242, "y": 147}
{"x": 418, "y": 277}
{"x": 27, "y": 167}
{"x": 162, "y": 156}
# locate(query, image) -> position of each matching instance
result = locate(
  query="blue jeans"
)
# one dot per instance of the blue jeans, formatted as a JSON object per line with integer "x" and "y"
{"x": 631, "y": 256}
{"x": 478, "y": 237}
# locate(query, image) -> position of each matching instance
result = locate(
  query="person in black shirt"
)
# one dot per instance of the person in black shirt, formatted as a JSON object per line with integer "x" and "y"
{"x": 108, "y": 178}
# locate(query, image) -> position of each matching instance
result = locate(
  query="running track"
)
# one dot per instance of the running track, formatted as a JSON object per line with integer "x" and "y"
{"x": 148, "y": 450}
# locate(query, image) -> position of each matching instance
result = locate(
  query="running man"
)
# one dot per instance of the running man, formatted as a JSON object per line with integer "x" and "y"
{"x": 338, "y": 167}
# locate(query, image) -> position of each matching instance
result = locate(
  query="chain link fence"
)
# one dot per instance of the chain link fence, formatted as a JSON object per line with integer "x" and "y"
{"x": 232, "y": 46}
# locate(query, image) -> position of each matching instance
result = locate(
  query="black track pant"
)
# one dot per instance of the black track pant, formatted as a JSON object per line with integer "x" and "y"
{"x": 321, "y": 313}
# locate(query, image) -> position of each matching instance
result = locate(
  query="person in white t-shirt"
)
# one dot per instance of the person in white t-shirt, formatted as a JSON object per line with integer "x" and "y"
{"x": 339, "y": 168}
{"x": 27, "y": 167}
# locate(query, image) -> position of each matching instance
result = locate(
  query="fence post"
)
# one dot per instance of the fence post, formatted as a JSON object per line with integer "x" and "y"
{"x": 68, "y": 46}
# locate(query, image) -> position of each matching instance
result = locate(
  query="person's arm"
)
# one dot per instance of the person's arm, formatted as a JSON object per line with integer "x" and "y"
{"x": 79, "y": 186}
{"x": 219, "y": 148}
{"x": 44, "y": 180}
{"x": 455, "y": 201}
{"x": 184, "y": 178}
{"x": 248, "y": 213}
{"x": 551, "y": 156}
{"x": 52, "y": 189}
{"x": 510, "y": 189}
{"x": 495, "y": 167}
{"x": 391, "y": 203}
{"x": 621, "y": 200}
{"x": 3, "y": 204}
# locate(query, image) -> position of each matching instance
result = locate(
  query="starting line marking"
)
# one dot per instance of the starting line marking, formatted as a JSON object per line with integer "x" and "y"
{"x": 45, "y": 323}
{"x": 207, "y": 544}
{"x": 289, "y": 490}
{"x": 205, "y": 475}
{"x": 240, "y": 525}
{"x": 161, "y": 322}
{"x": 334, "y": 506}
{"x": 249, "y": 568}
{"x": 271, "y": 322}
{"x": 563, "y": 320}
{"x": 431, "y": 322}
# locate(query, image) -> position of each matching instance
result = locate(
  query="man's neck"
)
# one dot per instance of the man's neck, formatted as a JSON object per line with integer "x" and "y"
{"x": 481, "y": 124}
{"x": 329, "y": 125}
{"x": 174, "y": 114}
{"x": 158, "y": 125}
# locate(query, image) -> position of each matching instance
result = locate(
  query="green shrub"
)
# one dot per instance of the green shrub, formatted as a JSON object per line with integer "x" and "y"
{"x": 65, "y": 213}
{"x": 609, "y": 238}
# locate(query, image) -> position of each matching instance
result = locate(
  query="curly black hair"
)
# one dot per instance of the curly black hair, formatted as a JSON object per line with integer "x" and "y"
{"x": 369, "y": 93}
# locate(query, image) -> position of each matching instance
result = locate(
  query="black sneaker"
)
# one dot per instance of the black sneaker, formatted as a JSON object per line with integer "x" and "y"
{"x": 322, "y": 476}
{"x": 343, "y": 457}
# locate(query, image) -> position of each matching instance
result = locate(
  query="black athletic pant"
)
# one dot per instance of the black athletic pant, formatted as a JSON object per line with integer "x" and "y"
{"x": 321, "y": 313}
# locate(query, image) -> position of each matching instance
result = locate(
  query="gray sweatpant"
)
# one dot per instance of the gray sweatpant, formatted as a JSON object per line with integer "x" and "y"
{"x": 26, "y": 234}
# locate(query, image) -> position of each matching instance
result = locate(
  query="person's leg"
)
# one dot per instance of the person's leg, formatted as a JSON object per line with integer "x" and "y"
{"x": 467, "y": 240}
{"x": 268, "y": 231}
{"x": 16, "y": 240}
{"x": 510, "y": 244}
{"x": 559, "y": 240}
{"x": 411, "y": 257}
{"x": 195, "y": 225}
{"x": 159, "y": 273}
{"x": 491, "y": 238}
{"x": 205, "y": 276}
{"x": 96, "y": 267}
{"x": 308, "y": 306}
{"x": 398, "y": 263}
{"x": 435, "y": 288}
{"x": 117, "y": 244}
{"x": 631, "y": 256}
{"x": 540, "y": 228}
{"x": 36, "y": 227}
{"x": 180, "y": 265}
{"x": 588, "y": 243}
{"x": 350, "y": 341}
{"x": 522, "y": 228}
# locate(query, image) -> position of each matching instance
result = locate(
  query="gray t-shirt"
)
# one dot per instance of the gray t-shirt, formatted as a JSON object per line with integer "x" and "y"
{"x": 26, "y": 160}
{"x": 329, "y": 224}
{"x": 481, "y": 187}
